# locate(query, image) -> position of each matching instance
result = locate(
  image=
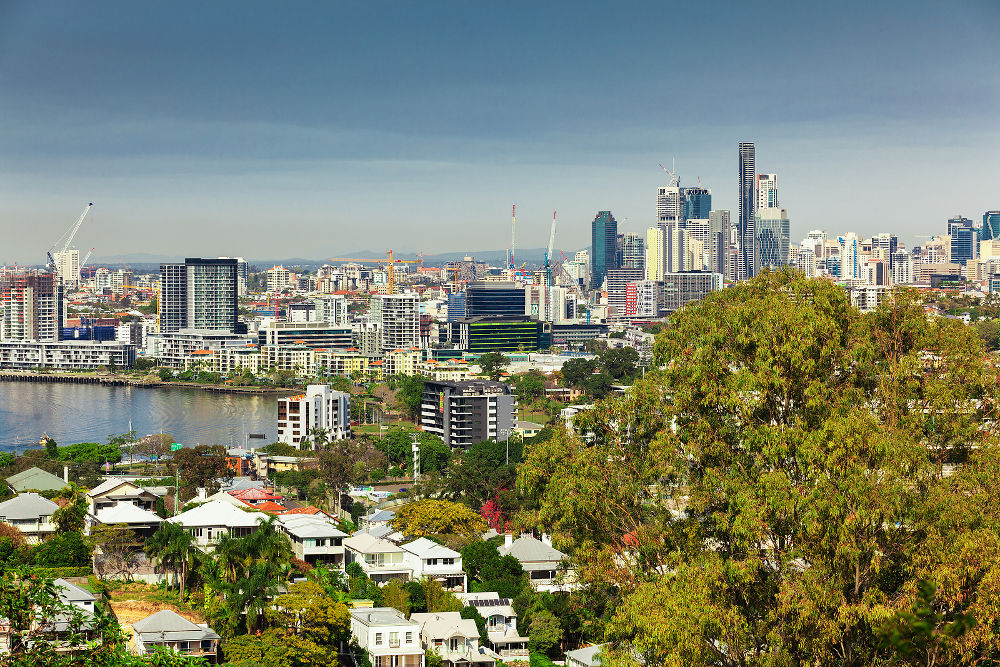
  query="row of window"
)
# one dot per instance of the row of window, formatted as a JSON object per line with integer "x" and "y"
{"x": 393, "y": 638}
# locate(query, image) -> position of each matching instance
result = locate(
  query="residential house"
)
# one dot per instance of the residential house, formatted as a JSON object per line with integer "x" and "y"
{"x": 527, "y": 429}
{"x": 171, "y": 630}
{"x": 381, "y": 560}
{"x": 539, "y": 560}
{"x": 455, "y": 638}
{"x": 80, "y": 620}
{"x": 209, "y": 521}
{"x": 315, "y": 538}
{"x": 256, "y": 496}
{"x": 142, "y": 521}
{"x": 35, "y": 479}
{"x": 378, "y": 518}
{"x": 430, "y": 559}
{"x": 113, "y": 491}
{"x": 31, "y": 514}
{"x": 589, "y": 656}
{"x": 501, "y": 623}
{"x": 389, "y": 638}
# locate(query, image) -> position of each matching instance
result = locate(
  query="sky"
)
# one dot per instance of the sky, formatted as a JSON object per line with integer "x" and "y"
{"x": 313, "y": 129}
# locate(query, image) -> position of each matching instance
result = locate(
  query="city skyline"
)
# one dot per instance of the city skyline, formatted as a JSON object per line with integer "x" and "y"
{"x": 250, "y": 130}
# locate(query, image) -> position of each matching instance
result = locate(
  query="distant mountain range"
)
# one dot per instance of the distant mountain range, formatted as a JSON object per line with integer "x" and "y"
{"x": 148, "y": 262}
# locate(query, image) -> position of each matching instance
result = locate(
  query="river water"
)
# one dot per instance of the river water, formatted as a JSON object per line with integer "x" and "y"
{"x": 72, "y": 413}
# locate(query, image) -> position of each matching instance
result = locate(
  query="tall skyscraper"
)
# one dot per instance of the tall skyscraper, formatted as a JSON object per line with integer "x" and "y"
{"x": 200, "y": 294}
{"x": 991, "y": 225}
{"x": 398, "y": 319}
{"x": 772, "y": 228}
{"x": 67, "y": 267}
{"x": 964, "y": 239}
{"x": 697, "y": 203}
{"x": 747, "y": 234}
{"x": 670, "y": 205}
{"x": 850, "y": 256}
{"x": 654, "y": 253}
{"x": 633, "y": 252}
{"x": 31, "y": 305}
{"x": 603, "y": 246}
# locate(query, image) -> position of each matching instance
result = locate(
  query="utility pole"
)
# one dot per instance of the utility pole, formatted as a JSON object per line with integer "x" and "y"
{"x": 416, "y": 456}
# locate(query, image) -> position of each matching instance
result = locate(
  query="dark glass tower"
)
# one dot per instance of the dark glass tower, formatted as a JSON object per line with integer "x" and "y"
{"x": 697, "y": 203}
{"x": 603, "y": 246}
{"x": 991, "y": 226}
{"x": 747, "y": 232}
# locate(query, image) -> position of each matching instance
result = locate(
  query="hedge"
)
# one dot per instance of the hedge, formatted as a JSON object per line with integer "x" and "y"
{"x": 62, "y": 572}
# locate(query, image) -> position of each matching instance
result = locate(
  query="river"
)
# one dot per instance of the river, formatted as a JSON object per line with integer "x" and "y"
{"x": 72, "y": 413}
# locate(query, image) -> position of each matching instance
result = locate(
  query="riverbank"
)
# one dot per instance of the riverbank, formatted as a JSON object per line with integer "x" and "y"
{"x": 116, "y": 380}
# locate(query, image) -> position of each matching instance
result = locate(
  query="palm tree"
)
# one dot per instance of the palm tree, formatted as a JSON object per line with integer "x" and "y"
{"x": 172, "y": 547}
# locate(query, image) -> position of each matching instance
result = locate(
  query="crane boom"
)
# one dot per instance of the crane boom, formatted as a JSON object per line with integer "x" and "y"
{"x": 62, "y": 245}
{"x": 552, "y": 239}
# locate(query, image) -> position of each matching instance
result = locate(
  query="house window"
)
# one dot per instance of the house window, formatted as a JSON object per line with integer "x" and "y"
{"x": 378, "y": 639}
{"x": 393, "y": 639}
{"x": 409, "y": 637}
{"x": 432, "y": 561}
{"x": 454, "y": 644}
{"x": 447, "y": 561}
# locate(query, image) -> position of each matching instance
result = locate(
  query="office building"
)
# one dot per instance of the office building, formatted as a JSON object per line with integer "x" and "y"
{"x": 964, "y": 239}
{"x": 654, "y": 253}
{"x": 617, "y": 280}
{"x": 682, "y": 288}
{"x": 300, "y": 417}
{"x": 850, "y": 256}
{"x": 805, "y": 261}
{"x": 456, "y": 306}
{"x": 767, "y": 191}
{"x": 719, "y": 226}
{"x": 700, "y": 237}
{"x": 746, "y": 233}
{"x": 603, "y": 236}
{"x": 901, "y": 269}
{"x": 31, "y": 305}
{"x": 991, "y": 225}
{"x": 670, "y": 204}
{"x": 464, "y": 413}
{"x": 773, "y": 233}
{"x": 697, "y": 203}
{"x": 496, "y": 334}
{"x": 633, "y": 251}
{"x": 200, "y": 294}
{"x": 494, "y": 298}
{"x": 398, "y": 320}
{"x": 676, "y": 248}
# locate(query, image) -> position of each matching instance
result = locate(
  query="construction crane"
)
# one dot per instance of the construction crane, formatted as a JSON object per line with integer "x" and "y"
{"x": 62, "y": 245}
{"x": 548, "y": 253}
{"x": 85, "y": 259}
{"x": 389, "y": 261}
{"x": 674, "y": 178}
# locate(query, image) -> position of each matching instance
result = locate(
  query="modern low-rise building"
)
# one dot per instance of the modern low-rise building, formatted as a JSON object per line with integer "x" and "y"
{"x": 389, "y": 638}
{"x": 301, "y": 417}
{"x": 464, "y": 413}
{"x": 68, "y": 355}
{"x": 315, "y": 538}
{"x": 175, "y": 349}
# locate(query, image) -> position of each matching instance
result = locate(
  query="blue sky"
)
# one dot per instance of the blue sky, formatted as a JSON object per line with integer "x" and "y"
{"x": 313, "y": 128}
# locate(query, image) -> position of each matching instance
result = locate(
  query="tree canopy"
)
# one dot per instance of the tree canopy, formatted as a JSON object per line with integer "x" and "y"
{"x": 427, "y": 518}
{"x": 788, "y": 484}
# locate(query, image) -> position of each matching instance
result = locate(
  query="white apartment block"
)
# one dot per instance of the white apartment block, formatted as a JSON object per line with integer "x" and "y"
{"x": 278, "y": 278}
{"x": 319, "y": 408}
{"x": 66, "y": 355}
{"x": 767, "y": 191}
{"x": 398, "y": 318}
{"x": 67, "y": 267}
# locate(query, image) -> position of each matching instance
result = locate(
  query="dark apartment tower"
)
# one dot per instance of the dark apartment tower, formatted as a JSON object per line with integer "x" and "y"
{"x": 603, "y": 247}
{"x": 200, "y": 294}
{"x": 747, "y": 231}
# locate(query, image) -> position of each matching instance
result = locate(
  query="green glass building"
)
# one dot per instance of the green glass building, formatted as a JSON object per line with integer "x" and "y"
{"x": 497, "y": 334}
{"x": 603, "y": 247}
{"x": 991, "y": 226}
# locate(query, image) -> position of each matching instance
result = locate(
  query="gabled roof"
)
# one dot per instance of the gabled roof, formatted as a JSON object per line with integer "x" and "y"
{"x": 425, "y": 548}
{"x": 108, "y": 485}
{"x": 527, "y": 549}
{"x": 366, "y": 544}
{"x": 218, "y": 513}
{"x": 35, "y": 479}
{"x": 126, "y": 513}
{"x": 255, "y": 494}
{"x": 445, "y": 625}
{"x": 71, "y": 592}
{"x": 309, "y": 526}
{"x": 169, "y": 626}
{"x": 268, "y": 506}
{"x": 380, "y": 515}
{"x": 589, "y": 655}
{"x": 27, "y": 506}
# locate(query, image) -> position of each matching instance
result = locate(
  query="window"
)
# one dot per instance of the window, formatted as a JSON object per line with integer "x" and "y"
{"x": 393, "y": 639}
{"x": 409, "y": 637}
{"x": 378, "y": 639}
{"x": 432, "y": 561}
{"x": 447, "y": 561}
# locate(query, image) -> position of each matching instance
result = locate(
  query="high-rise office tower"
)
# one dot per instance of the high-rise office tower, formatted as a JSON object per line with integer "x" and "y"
{"x": 31, "y": 305}
{"x": 718, "y": 222}
{"x": 805, "y": 261}
{"x": 200, "y": 294}
{"x": 654, "y": 253}
{"x": 700, "y": 235}
{"x": 633, "y": 252}
{"x": 747, "y": 235}
{"x": 697, "y": 203}
{"x": 767, "y": 191}
{"x": 603, "y": 246}
{"x": 964, "y": 239}
{"x": 670, "y": 205}
{"x": 398, "y": 319}
{"x": 991, "y": 226}
{"x": 884, "y": 247}
{"x": 850, "y": 256}
{"x": 772, "y": 228}
{"x": 676, "y": 248}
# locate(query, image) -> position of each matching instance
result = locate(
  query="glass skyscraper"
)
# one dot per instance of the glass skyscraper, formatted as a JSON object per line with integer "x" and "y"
{"x": 747, "y": 236}
{"x": 773, "y": 234}
{"x": 697, "y": 203}
{"x": 991, "y": 226}
{"x": 603, "y": 246}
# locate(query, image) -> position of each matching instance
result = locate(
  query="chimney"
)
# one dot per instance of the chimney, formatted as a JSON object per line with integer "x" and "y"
{"x": 546, "y": 539}
{"x": 508, "y": 539}
{"x": 66, "y": 474}
{"x": 202, "y": 493}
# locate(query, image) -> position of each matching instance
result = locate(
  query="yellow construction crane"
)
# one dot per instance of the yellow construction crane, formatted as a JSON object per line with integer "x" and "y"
{"x": 388, "y": 261}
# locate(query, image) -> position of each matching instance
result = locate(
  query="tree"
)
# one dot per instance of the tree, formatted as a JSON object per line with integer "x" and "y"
{"x": 51, "y": 449}
{"x": 598, "y": 385}
{"x": 544, "y": 633}
{"x": 484, "y": 470}
{"x": 438, "y": 599}
{"x": 473, "y": 614}
{"x": 621, "y": 363}
{"x": 493, "y": 364}
{"x": 204, "y": 466}
{"x": 13, "y": 547}
{"x": 575, "y": 371}
{"x": 426, "y": 518}
{"x": 529, "y": 386}
{"x": 478, "y": 555}
{"x": 172, "y": 547}
{"x": 117, "y": 550}
{"x": 72, "y": 512}
{"x": 396, "y": 595}
{"x": 62, "y": 550}
{"x": 409, "y": 392}
{"x": 773, "y": 493}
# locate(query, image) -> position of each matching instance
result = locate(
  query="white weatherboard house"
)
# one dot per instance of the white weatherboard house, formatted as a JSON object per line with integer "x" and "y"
{"x": 31, "y": 514}
{"x": 430, "y": 559}
{"x": 542, "y": 562}
{"x": 389, "y": 638}
{"x": 112, "y": 492}
{"x": 142, "y": 521}
{"x": 501, "y": 623}
{"x": 315, "y": 538}
{"x": 589, "y": 656}
{"x": 209, "y": 521}
{"x": 455, "y": 638}
{"x": 381, "y": 560}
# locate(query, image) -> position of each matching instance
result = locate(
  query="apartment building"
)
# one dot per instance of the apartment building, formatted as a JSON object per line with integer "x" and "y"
{"x": 464, "y": 413}
{"x": 319, "y": 408}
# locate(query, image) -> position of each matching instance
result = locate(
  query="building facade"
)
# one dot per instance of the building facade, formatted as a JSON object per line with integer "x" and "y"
{"x": 200, "y": 294}
{"x": 464, "y": 413}
{"x": 773, "y": 232}
{"x": 746, "y": 232}
{"x": 319, "y": 408}
{"x": 398, "y": 319}
{"x": 491, "y": 298}
{"x": 31, "y": 306}
{"x": 603, "y": 250}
